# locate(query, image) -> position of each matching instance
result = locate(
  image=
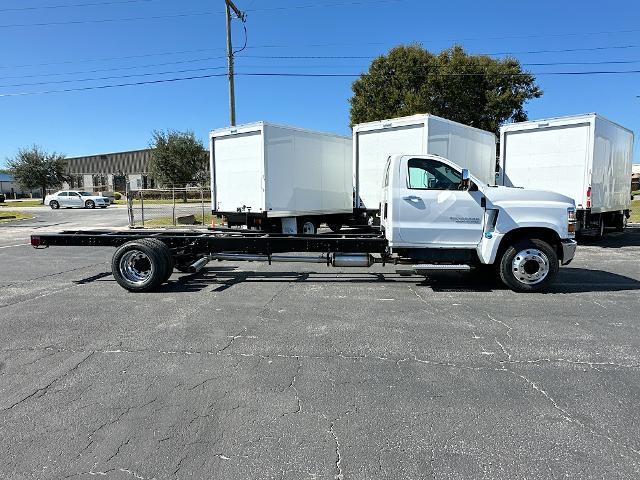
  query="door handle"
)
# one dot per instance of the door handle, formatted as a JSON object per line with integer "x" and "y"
{"x": 412, "y": 198}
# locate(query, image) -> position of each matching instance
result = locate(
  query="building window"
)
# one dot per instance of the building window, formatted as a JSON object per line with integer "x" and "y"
{"x": 148, "y": 182}
{"x": 100, "y": 182}
{"x": 76, "y": 181}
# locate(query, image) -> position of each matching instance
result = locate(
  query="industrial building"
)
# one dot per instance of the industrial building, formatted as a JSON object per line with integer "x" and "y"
{"x": 110, "y": 171}
{"x": 10, "y": 188}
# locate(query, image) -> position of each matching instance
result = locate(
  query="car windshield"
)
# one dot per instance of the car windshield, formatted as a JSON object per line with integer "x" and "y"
{"x": 86, "y": 194}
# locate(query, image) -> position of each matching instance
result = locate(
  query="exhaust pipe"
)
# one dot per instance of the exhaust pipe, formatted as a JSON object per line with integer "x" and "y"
{"x": 353, "y": 260}
{"x": 268, "y": 258}
{"x": 336, "y": 260}
{"x": 199, "y": 264}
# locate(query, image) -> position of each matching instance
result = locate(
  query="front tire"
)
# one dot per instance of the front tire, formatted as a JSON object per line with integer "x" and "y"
{"x": 54, "y": 205}
{"x": 139, "y": 266}
{"x": 89, "y": 204}
{"x": 529, "y": 265}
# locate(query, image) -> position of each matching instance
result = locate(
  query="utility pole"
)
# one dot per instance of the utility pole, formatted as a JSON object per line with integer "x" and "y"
{"x": 232, "y": 95}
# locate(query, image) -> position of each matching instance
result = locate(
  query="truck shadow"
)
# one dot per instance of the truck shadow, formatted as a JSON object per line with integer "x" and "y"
{"x": 629, "y": 238}
{"x": 570, "y": 280}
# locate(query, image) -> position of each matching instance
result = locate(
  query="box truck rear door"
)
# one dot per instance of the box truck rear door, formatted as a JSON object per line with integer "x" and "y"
{"x": 239, "y": 170}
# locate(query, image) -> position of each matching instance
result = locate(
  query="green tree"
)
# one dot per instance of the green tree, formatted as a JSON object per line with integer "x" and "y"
{"x": 34, "y": 168}
{"x": 476, "y": 90}
{"x": 178, "y": 159}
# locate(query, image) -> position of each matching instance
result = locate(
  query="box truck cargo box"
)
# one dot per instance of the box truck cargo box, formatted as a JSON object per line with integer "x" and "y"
{"x": 585, "y": 157}
{"x": 263, "y": 171}
{"x": 374, "y": 142}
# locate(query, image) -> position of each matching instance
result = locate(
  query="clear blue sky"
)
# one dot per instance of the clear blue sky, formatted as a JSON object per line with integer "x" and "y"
{"x": 96, "y": 121}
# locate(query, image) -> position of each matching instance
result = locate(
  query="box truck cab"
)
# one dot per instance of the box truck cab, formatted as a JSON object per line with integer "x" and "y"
{"x": 436, "y": 213}
{"x": 585, "y": 157}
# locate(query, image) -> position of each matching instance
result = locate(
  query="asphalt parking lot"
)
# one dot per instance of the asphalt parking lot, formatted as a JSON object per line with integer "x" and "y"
{"x": 249, "y": 371}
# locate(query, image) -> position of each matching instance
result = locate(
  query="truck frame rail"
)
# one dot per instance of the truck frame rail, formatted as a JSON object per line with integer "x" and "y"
{"x": 220, "y": 241}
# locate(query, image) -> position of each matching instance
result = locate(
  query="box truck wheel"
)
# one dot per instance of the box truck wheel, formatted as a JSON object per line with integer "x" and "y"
{"x": 529, "y": 265}
{"x": 163, "y": 250}
{"x": 307, "y": 226}
{"x": 139, "y": 266}
{"x": 621, "y": 221}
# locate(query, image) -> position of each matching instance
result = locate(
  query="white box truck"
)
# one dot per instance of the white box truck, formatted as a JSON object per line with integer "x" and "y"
{"x": 280, "y": 178}
{"x": 374, "y": 142}
{"x": 585, "y": 157}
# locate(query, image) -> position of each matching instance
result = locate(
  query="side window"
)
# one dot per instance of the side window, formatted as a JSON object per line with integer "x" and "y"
{"x": 428, "y": 174}
{"x": 63, "y": 194}
{"x": 385, "y": 182}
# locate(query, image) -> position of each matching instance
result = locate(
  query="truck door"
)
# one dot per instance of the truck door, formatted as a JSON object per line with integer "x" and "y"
{"x": 433, "y": 210}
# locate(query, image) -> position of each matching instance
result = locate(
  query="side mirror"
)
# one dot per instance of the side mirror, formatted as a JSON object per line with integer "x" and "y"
{"x": 466, "y": 179}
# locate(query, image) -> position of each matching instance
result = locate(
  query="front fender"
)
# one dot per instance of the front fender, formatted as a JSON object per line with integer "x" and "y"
{"x": 545, "y": 219}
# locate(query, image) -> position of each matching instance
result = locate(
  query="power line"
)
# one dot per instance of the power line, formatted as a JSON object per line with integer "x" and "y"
{"x": 180, "y": 15}
{"x": 107, "y": 20}
{"x": 73, "y": 5}
{"x": 135, "y": 67}
{"x": 100, "y": 87}
{"x": 304, "y": 75}
{"x": 110, "y": 69}
{"x": 112, "y": 77}
{"x": 145, "y": 55}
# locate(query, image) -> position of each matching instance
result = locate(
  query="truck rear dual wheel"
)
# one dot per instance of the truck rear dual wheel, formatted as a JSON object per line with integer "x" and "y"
{"x": 142, "y": 265}
{"x": 529, "y": 265}
{"x": 621, "y": 221}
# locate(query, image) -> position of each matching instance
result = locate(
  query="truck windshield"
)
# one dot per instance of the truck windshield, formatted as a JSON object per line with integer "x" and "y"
{"x": 429, "y": 174}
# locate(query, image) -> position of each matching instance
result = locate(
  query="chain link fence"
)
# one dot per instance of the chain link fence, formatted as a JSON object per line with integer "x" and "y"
{"x": 170, "y": 207}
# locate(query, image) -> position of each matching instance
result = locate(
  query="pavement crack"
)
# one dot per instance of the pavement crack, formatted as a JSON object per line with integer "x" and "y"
{"x": 120, "y": 447}
{"x": 292, "y": 386}
{"x": 567, "y": 416}
{"x": 43, "y": 390}
{"x": 233, "y": 339}
{"x": 339, "y": 475}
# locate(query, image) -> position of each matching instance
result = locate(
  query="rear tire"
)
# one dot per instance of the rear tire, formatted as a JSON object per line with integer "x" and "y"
{"x": 54, "y": 205}
{"x": 621, "y": 222}
{"x": 529, "y": 265}
{"x": 89, "y": 204}
{"x": 164, "y": 251}
{"x": 139, "y": 266}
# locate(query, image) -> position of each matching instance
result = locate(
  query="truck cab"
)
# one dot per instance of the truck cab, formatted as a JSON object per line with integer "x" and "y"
{"x": 435, "y": 212}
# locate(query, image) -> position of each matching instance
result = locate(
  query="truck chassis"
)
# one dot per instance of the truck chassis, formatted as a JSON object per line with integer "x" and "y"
{"x": 145, "y": 259}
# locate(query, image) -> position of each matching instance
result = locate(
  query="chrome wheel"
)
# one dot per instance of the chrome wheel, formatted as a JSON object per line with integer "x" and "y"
{"x": 530, "y": 266}
{"x": 135, "y": 267}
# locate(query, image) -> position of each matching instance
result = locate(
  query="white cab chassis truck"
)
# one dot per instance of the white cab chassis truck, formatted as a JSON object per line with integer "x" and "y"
{"x": 374, "y": 142}
{"x": 585, "y": 157}
{"x": 435, "y": 216}
{"x": 279, "y": 178}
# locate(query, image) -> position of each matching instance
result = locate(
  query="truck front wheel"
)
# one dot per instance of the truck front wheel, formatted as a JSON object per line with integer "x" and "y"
{"x": 529, "y": 265}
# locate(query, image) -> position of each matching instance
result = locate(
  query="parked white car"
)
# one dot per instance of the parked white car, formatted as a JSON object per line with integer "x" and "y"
{"x": 76, "y": 198}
